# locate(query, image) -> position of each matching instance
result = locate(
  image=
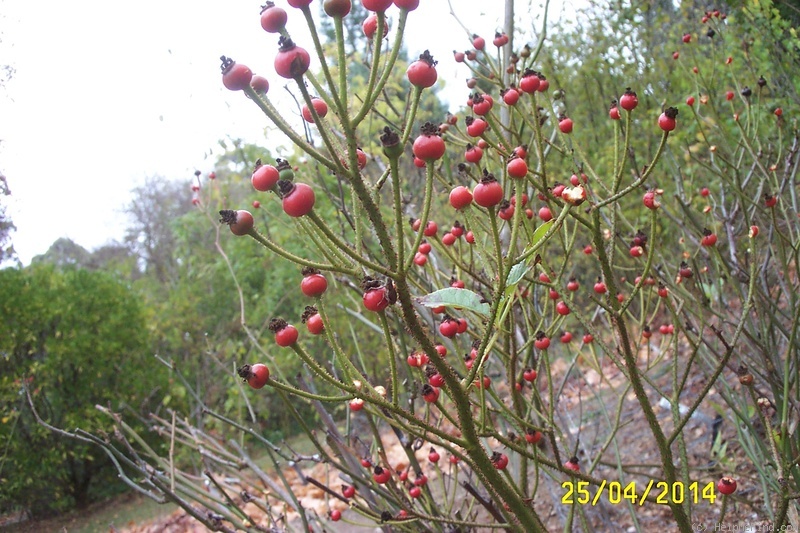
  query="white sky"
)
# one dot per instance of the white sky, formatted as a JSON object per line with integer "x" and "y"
{"x": 106, "y": 94}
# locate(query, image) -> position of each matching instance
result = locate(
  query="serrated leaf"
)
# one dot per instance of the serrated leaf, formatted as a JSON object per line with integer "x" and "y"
{"x": 522, "y": 268}
{"x": 452, "y": 297}
{"x": 516, "y": 274}
{"x": 514, "y": 277}
{"x": 539, "y": 234}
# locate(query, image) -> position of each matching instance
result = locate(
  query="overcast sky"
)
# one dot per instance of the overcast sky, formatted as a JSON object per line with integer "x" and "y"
{"x": 106, "y": 94}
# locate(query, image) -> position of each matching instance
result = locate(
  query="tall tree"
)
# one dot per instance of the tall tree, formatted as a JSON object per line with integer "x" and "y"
{"x": 75, "y": 338}
{"x": 153, "y": 209}
{"x": 64, "y": 252}
{"x": 6, "y": 225}
{"x": 111, "y": 257}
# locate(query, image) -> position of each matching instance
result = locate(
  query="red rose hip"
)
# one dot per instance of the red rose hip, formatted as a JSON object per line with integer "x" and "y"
{"x": 285, "y": 334}
{"x": 667, "y": 120}
{"x": 291, "y": 61}
{"x": 376, "y": 5}
{"x": 264, "y": 177}
{"x": 273, "y": 19}
{"x": 422, "y": 72}
{"x": 429, "y": 146}
{"x": 488, "y": 192}
{"x": 235, "y": 76}
{"x": 726, "y": 485}
{"x": 320, "y": 107}
{"x": 314, "y": 284}
{"x": 297, "y": 198}
{"x": 255, "y": 375}
{"x": 628, "y": 101}
{"x": 240, "y": 222}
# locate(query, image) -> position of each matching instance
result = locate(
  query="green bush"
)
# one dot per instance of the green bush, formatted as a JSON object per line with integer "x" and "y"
{"x": 73, "y": 339}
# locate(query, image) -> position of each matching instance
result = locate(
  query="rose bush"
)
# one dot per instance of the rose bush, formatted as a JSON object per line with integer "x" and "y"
{"x": 597, "y": 277}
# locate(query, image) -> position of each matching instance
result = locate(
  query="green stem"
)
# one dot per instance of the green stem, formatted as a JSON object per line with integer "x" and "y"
{"x": 629, "y": 357}
{"x": 426, "y": 209}
{"x": 347, "y": 367}
{"x": 343, "y": 246}
{"x": 321, "y": 127}
{"x": 648, "y": 264}
{"x": 642, "y": 178}
{"x": 516, "y": 223}
{"x": 343, "y": 106}
{"x": 287, "y": 130}
{"x": 546, "y": 237}
{"x": 308, "y": 395}
{"x": 537, "y": 129}
{"x": 485, "y": 470}
{"x": 330, "y": 252}
{"x": 394, "y": 164}
{"x": 321, "y": 54}
{"x": 415, "y": 98}
{"x": 369, "y": 101}
{"x": 317, "y": 369}
{"x": 780, "y": 517}
{"x": 624, "y": 158}
{"x": 724, "y": 509}
{"x": 264, "y": 241}
{"x": 387, "y": 335}
{"x": 730, "y": 346}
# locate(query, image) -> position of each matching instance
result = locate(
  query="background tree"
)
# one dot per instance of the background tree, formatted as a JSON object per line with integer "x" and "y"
{"x": 75, "y": 338}
{"x": 64, "y": 252}
{"x": 6, "y": 225}
{"x": 112, "y": 257}
{"x": 154, "y": 207}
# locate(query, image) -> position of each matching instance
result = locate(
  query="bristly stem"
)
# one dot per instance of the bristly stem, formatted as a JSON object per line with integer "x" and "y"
{"x": 397, "y": 195}
{"x": 267, "y": 243}
{"x": 412, "y": 113}
{"x": 627, "y": 190}
{"x": 426, "y": 209}
{"x": 312, "y": 28}
{"x": 342, "y": 65}
{"x": 343, "y": 246}
{"x": 387, "y": 335}
{"x": 372, "y": 97}
{"x": 282, "y": 125}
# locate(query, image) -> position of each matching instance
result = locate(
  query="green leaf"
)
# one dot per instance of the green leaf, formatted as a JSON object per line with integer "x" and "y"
{"x": 712, "y": 290}
{"x": 514, "y": 277}
{"x": 538, "y": 235}
{"x": 459, "y": 298}
{"x": 522, "y": 268}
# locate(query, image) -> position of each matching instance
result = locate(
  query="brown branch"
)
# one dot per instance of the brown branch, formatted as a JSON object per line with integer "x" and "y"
{"x": 487, "y": 504}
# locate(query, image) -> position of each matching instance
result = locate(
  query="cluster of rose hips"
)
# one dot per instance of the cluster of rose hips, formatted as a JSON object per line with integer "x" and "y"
{"x": 313, "y": 285}
{"x": 448, "y": 239}
{"x": 298, "y": 200}
{"x": 707, "y": 16}
{"x": 745, "y": 91}
{"x": 383, "y": 475}
{"x": 292, "y": 62}
{"x": 196, "y": 185}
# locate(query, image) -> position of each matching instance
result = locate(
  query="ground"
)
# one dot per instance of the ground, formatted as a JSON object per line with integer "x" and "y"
{"x": 590, "y": 394}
